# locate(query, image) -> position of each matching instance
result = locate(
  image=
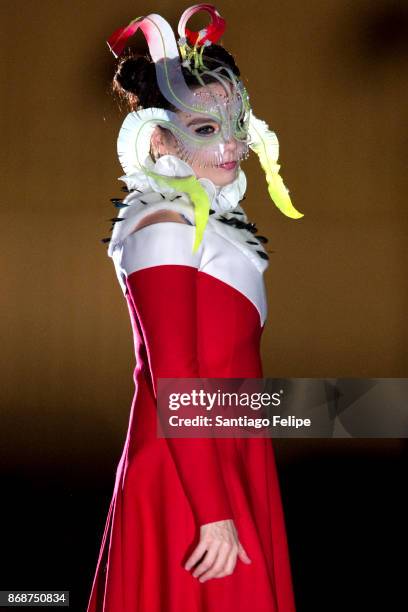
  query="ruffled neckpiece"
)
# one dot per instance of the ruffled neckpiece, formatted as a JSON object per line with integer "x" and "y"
{"x": 227, "y": 217}
{"x": 222, "y": 198}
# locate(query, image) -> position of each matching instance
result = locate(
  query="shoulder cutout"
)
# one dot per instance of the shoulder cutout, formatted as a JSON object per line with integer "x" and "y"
{"x": 159, "y": 217}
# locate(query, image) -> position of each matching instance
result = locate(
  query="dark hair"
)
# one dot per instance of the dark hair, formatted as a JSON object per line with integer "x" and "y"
{"x": 135, "y": 83}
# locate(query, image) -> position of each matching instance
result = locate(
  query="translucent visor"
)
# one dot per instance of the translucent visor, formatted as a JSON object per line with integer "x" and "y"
{"x": 217, "y": 130}
{"x": 210, "y": 125}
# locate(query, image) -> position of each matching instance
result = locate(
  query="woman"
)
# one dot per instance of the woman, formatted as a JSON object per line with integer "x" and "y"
{"x": 194, "y": 525}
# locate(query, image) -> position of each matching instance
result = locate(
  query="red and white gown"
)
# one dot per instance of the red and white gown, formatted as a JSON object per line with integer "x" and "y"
{"x": 193, "y": 315}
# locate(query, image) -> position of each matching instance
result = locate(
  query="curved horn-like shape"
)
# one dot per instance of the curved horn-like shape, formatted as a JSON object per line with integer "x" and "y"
{"x": 212, "y": 32}
{"x": 164, "y": 52}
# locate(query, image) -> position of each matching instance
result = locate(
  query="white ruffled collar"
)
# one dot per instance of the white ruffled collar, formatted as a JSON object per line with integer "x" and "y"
{"x": 222, "y": 198}
{"x": 227, "y": 217}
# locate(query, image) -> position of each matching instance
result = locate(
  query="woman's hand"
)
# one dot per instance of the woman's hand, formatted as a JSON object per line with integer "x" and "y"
{"x": 221, "y": 546}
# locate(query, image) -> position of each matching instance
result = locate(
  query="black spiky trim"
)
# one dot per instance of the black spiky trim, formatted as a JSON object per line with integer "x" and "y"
{"x": 251, "y": 227}
{"x": 118, "y": 203}
{"x": 263, "y": 255}
{"x": 127, "y": 190}
{"x": 263, "y": 239}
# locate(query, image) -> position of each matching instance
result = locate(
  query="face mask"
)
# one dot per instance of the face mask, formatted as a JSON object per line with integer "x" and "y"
{"x": 216, "y": 131}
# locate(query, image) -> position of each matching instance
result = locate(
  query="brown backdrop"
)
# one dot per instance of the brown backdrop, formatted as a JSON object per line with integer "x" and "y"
{"x": 329, "y": 77}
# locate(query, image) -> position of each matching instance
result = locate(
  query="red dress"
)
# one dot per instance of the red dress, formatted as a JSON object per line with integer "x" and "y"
{"x": 193, "y": 315}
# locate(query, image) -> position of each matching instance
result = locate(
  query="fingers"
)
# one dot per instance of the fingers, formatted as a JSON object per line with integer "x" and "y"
{"x": 207, "y": 564}
{"x": 215, "y": 564}
{"x": 229, "y": 565}
{"x": 217, "y": 553}
{"x": 220, "y": 565}
{"x": 242, "y": 554}
{"x": 196, "y": 555}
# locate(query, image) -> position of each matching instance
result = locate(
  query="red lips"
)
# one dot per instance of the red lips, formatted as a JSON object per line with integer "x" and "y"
{"x": 228, "y": 165}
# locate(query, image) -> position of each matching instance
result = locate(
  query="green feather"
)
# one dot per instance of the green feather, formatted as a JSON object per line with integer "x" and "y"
{"x": 198, "y": 196}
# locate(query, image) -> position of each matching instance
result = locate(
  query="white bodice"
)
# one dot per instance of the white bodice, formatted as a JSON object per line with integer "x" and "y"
{"x": 229, "y": 253}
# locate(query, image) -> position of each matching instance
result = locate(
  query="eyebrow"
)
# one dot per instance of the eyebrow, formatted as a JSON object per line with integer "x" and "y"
{"x": 200, "y": 120}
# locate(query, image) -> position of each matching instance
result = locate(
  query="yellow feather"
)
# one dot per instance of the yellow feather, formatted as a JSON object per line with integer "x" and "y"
{"x": 265, "y": 144}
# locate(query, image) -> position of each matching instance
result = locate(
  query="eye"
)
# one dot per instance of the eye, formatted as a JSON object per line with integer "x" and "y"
{"x": 205, "y": 129}
{"x": 242, "y": 121}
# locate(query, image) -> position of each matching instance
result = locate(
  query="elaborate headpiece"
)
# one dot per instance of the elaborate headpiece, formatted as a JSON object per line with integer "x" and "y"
{"x": 226, "y": 108}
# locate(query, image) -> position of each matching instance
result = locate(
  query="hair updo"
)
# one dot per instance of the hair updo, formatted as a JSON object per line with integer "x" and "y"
{"x": 135, "y": 82}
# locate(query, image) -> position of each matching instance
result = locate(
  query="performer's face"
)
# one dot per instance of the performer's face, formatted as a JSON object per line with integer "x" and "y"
{"x": 223, "y": 152}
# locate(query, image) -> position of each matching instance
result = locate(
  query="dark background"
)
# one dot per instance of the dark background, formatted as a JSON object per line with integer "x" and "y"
{"x": 330, "y": 77}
